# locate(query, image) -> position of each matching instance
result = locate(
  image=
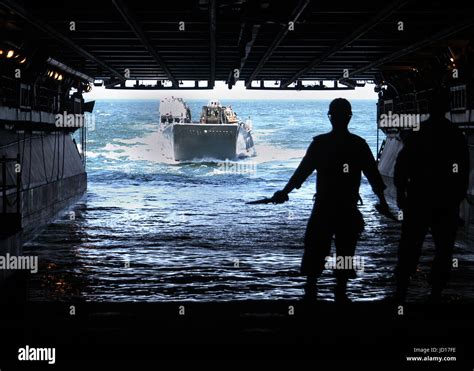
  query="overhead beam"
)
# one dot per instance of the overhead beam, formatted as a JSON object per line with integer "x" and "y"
{"x": 109, "y": 84}
{"x": 249, "y": 31}
{"x": 212, "y": 42}
{"x": 71, "y": 71}
{"x": 158, "y": 85}
{"x": 416, "y": 46}
{"x": 301, "y": 88}
{"x": 247, "y": 38}
{"x": 157, "y": 88}
{"x": 138, "y": 31}
{"x": 276, "y": 42}
{"x": 23, "y": 13}
{"x": 351, "y": 83}
{"x": 357, "y": 34}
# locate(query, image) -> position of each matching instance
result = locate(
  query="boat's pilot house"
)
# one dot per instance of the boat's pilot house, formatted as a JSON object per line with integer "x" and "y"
{"x": 168, "y": 119}
{"x": 215, "y": 113}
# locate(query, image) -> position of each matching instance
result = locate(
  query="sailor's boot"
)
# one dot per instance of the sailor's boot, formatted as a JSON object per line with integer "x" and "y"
{"x": 340, "y": 291}
{"x": 435, "y": 296}
{"x": 401, "y": 290}
{"x": 311, "y": 288}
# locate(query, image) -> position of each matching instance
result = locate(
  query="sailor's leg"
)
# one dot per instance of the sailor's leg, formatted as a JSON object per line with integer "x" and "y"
{"x": 317, "y": 244}
{"x": 414, "y": 228}
{"x": 346, "y": 239}
{"x": 444, "y": 227}
{"x": 345, "y": 248}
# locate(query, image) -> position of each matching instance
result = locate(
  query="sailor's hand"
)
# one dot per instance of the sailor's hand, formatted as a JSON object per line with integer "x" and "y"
{"x": 382, "y": 208}
{"x": 280, "y": 197}
{"x": 401, "y": 200}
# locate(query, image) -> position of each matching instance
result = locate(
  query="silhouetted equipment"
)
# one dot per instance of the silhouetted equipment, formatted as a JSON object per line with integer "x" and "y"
{"x": 261, "y": 201}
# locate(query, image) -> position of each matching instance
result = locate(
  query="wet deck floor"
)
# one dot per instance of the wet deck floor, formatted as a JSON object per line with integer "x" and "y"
{"x": 86, "y": 259}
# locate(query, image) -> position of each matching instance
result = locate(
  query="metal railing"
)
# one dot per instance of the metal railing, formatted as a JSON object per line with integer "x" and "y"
{"x": 6, "y": 187}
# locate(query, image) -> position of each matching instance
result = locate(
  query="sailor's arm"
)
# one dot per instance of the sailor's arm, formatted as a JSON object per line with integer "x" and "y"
{"x": 400, "y": 175}
{"x": 304, "y": 170}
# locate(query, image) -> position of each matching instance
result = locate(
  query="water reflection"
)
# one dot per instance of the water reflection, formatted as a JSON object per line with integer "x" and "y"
{"x": 158, "y": 251}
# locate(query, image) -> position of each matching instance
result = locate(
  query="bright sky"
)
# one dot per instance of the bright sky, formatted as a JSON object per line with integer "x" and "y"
{"x": 237, "y": 92}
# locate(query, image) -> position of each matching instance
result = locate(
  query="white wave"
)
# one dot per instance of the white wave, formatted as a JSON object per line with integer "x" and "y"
{"x": 147, "y": 148}
{"x": 268, "y": 153}
{"x": 155, "y": 148}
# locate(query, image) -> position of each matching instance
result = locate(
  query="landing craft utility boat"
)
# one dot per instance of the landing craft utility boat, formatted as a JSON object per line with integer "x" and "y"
{"x": 219, "y": 134}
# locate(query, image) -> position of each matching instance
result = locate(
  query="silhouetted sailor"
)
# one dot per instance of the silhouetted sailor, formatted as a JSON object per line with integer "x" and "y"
{"x": 339, "y": 157}
{"x": 431, "y": 176}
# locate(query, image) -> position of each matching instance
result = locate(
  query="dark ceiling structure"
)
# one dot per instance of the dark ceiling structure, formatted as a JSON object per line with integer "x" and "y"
{"x": 268, "y": 44}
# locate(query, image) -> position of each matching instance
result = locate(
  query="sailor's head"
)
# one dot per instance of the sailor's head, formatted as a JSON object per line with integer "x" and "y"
{"x": 439, "y": 102}
{"x": 340, "y": 113}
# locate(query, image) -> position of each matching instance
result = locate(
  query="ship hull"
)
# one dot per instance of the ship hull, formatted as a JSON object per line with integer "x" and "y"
{"x": 198, "y": 141}
{"x": 53, "y": 177}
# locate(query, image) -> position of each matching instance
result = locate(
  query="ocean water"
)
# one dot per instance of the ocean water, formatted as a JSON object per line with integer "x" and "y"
{"x": 151, "y": 229}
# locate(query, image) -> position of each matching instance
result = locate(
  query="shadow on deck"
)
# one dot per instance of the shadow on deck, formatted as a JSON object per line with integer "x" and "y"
{"x": 362, "y": 331}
